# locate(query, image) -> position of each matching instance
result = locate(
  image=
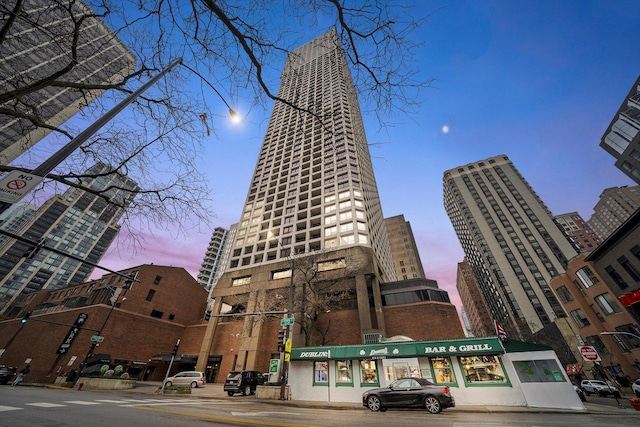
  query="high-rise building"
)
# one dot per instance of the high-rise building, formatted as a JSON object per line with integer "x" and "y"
{"x": 41, "y": 42}
{"x": 78, "y": 223}
{"x": 579, "y": 232}
{"x": 213, "y": 258}
{"x": 406, "y": 258}
{"x": 311, "y": 239}
{"x": 615, "y": 206}
{"x": 621, "y": 139}
{"x": 477, "y": 315}
{"x": 511, "y": 241}
{"x": 313, "y": 187}
{"x": 13, "y": 218}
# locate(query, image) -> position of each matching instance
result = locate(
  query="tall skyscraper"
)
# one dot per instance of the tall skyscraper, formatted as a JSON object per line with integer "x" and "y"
{"x": 615, "y": 206}
{"x": 213, "y": 258}
{"x": 621, "y": 139}
{"x": 312, "y": 238}
{"x": 40, "y": 43}
{"x": 76, "y": 222}
{"x": 403, "y": 248}
{"x": 511, "y": 241}
{"x": 313, "y": 187}
{"x": 578, "y": 231}
{"x": 478, "y": 318}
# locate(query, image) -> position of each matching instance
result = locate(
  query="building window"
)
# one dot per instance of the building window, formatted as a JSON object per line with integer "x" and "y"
{"x": 564, "y": 294}
{"x": 631, "y": 336}
{"x": 369, "y": 373}
{"x": 580, "y": 319}
{"x": 150, "y": 294}
{"x": 482, "y": 370}
{"x": 344, "y": 373}
{"x": 157, "y": 280}
{"x": 281, "y": 274}
{"x": 333, "y": 264}
{"x": 320, "y": 375}
{"x": 442, "y": 372}
{"x": 607, "y": 304}
{"x": 629, "y": 268}
{"x": 587, "y": 277}
{"x": 157, "y": 314}
{"x": 172, "y": 316}
{"x": 615, "y": 276}
{"x": 240, "y": 281}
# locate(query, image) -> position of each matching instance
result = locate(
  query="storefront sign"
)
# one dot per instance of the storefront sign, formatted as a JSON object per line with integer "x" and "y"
{"x": 473, "y": 346}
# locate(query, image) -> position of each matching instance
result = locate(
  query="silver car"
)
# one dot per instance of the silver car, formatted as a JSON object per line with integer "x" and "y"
{"x": 191, "y": 378}
{"x": 600, "y": 388}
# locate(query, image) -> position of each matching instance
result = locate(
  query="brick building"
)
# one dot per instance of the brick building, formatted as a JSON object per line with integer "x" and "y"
{"x": 139, "y": 325}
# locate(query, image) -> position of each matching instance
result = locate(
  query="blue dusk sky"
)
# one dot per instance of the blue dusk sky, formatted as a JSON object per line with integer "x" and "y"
{"x": 538, "y": 81}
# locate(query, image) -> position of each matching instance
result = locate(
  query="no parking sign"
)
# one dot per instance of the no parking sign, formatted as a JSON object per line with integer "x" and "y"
{"x": 16, "y": 184}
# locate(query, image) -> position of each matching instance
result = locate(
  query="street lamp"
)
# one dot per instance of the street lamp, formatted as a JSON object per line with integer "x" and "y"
{"x": 620, "y": 333}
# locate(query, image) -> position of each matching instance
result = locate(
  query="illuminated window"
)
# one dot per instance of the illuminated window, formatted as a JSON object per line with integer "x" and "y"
{"x": 344, "y": 373}
{"x": 369, "y": 373}
{"x": 482, "y": 370}
{"x": 320, "y": 376}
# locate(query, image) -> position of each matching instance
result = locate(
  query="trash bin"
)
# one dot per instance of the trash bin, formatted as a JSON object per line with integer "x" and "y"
{"x": 635, "y": 402}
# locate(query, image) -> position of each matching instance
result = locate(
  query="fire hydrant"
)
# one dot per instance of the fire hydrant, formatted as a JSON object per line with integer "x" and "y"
{"x": 635, "y": 402}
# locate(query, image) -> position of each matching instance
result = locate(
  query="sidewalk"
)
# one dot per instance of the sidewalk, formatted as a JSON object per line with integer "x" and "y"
{"x": 215, "y": 391}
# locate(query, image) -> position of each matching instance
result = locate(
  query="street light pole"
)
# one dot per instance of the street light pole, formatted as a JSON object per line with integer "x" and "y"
{"x": 287, "y": 334}
{"x": 58, "y": 157}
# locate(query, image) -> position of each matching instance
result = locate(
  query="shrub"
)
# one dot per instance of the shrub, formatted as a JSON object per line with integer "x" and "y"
{"x": 109, "y": 373}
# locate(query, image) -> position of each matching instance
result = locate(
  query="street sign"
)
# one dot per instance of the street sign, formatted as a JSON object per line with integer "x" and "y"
{"x": 16, "y": 184}
{"x": 287, "y": 345}
{"x": 287, "y": 321}
{"x": 97, "y": 338}
{"x": 589, "y": 353}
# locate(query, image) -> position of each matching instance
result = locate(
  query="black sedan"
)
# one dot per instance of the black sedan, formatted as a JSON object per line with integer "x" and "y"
{"x": 409, "y": 393}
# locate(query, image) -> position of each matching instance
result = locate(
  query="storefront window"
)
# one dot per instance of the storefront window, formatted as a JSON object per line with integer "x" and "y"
{"x": 369, "y": 373}
{"x": 480, "y": 370}
{"x": 320, "y": 376}
{"x": 442, "y": 372}
{"x": 344, "y": 373}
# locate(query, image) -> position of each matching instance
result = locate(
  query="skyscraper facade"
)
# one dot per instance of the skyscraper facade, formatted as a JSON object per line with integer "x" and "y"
{"x": 40, "y": 43}
{"x": 511, "y": 241}
{"x": 212, "y": 258}
{"x": 622, "y": 137}
{"x": 579, "y": 231}
{"x": 311, "y": 241}
{"x": 478, "y": 318}
{"x": 615, "y": 206}
{"x": 77, "y": 222}
{"x": 313, "y": 187}
{"x": 403, "y": 248}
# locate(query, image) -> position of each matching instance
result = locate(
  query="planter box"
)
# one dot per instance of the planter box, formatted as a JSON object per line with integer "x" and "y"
{"x": 181, "y": 391}
{"x": 104, "y": 383}
{"x": 271, "y": 392}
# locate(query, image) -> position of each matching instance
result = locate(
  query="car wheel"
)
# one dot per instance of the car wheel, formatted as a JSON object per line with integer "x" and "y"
{"x": 168, "y": 384}
{"x": 230, "y": 393}
{"x": 246, "y": 391}
{"x": 194, "y": 384}
{"x": 373, "y": 403}
{"x": 432, "y": 404}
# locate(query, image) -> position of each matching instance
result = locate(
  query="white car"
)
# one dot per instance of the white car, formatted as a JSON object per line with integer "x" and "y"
{"x": 191, "y": 378}
{"x": 600, "y": 388}
{"x": 636, "y": 387}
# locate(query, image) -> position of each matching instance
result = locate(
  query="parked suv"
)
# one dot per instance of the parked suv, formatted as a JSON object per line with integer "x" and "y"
{"x": 6, "y": 374}
{"x": 636, "y": 387}
{"x": 192, "y": 378}
{"x": 244, "y": 382}
{"x": 599, "y": 387}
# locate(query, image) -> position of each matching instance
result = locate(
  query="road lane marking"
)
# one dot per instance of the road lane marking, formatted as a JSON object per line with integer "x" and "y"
{"x": 262, "y": 413}
{"x": 227, "y": 419}
{"x": 82, "y": 402}
{"x": 8, "y": 408}
{"x": 45, "y": 405}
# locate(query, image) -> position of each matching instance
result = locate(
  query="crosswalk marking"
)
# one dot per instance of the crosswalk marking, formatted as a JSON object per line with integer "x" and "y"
{"x": 81, "y": 402}
{"x": 8, "y": 408}
{"x": 45, "y": 404}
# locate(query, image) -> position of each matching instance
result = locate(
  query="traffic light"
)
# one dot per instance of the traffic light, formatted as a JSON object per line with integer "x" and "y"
{"x": 207, "y": 315}
{"x": 25, "y": 317}
{"x": 281, "y": 340}
{"x": 79, "y": 322}
{"x": 175, "y": 348}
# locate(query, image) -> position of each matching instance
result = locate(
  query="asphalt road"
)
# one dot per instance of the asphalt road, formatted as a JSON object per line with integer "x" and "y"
{"x": 31, "y": 406}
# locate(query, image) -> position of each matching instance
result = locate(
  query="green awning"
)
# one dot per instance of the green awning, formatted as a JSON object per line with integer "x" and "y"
{"x": 471, "y": 346}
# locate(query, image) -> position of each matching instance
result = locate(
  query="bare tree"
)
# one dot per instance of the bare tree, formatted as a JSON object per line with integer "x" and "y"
{"x": 230, "y": 50}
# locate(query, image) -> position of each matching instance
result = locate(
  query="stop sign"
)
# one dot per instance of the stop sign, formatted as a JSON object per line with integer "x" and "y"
{"x": 589, "y": 353}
